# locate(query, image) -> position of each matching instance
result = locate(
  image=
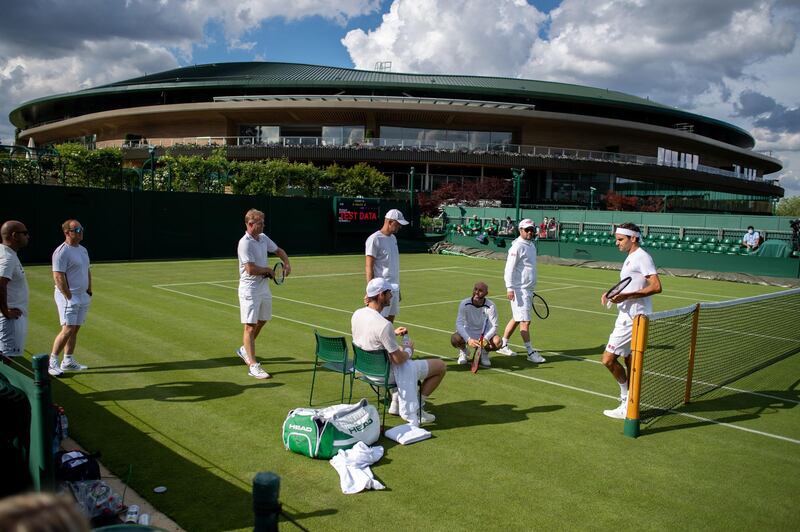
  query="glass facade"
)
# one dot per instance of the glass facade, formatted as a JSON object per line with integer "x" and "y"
{"x": 342, "y": 135}
{"x": 259, "y": 134}
{"x": 393, "y": 135}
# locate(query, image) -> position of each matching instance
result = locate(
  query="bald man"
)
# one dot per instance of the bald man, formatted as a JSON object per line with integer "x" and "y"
{"x": 13, "y": 290}
{"x": 477, "y": 316}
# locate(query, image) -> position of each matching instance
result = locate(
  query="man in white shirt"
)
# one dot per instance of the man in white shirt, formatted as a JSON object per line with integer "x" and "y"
{"x": 371, "y": 331}
{"x": 634, "y": 299}
{"x": 73, "y": 296}
{"x": 751, "y": 239}
{"x": 520, "y": 279}
{"x": 13, "y": 290}
{"x": 255, "y": 298}
{"x": 383, "y": 257}
{"x": 476, "y": 319}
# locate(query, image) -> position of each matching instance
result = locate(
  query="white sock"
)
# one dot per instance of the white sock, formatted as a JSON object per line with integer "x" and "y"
{"x": 505, "y": 341}
{"x": 462, "y": 352}
{"x": 528, "y": 346}
{"x": 424, "y": 399}
{"x": 67, "y": 357}
{"x": 53, "y": 358}
{"x": 623, "y": 389}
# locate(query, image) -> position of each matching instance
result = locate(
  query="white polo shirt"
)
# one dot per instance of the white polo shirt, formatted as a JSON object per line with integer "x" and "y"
{"x": 387, "y": 257}
{"x": 255, "y": 251}
{"x": 17, "y": 287}
{"x": 520, "y": 272}
{"x": 73, "y": 262}
{"x": 471, "y": 319}
{"x": 371, "y": 331}
{"x": 637, "y": 266}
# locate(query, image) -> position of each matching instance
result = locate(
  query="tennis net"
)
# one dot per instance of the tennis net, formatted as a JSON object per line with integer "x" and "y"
{"x": 690, "y": 351}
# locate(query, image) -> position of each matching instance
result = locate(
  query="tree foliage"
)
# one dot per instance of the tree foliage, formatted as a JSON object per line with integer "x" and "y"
{"x": 362, "y": 180}
{"x": 789, "y": 206}
{"x": 470, "y": 193}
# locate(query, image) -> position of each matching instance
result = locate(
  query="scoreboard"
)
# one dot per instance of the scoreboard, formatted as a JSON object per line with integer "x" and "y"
{"x": 357, "y": 215}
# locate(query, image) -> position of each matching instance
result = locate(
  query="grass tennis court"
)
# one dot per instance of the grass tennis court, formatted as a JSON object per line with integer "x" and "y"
{"x": 515, "y": 447}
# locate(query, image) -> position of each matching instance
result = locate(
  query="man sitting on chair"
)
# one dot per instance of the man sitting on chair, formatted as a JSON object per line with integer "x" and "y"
{"x": 372, "y": 332}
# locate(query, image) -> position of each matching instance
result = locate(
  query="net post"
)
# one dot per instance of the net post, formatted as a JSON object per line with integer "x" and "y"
{"x": 638, "y": 344}
{"x": 690, "y": 369}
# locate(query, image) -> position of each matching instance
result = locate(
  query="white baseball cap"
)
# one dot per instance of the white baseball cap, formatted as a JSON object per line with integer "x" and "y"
{"x": 527, "y": 222}
{"x": 395, "y": 214}
{"x": 377, "y": 286}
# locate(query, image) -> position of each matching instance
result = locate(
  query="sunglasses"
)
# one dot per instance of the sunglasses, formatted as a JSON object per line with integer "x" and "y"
{"x": 528, "y": 229}
{"x": 77, "y": 230}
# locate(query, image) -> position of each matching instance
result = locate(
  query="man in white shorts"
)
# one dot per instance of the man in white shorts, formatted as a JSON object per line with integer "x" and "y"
{"x": 634, "y": 299}
{"x": 371, "y": 331}
{"x": 477, "y": 316}
{"x": 383, "y": 257}
{"x": 73, "y": 295}
{"x": 255, "y": 298}
{"x": 13, "y": 290}
{"x": 520, "y": 279}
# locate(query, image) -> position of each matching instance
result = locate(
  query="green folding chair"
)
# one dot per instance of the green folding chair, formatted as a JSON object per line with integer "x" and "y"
{"x": 331, "y": 355}
{"x": 374, "y": 368}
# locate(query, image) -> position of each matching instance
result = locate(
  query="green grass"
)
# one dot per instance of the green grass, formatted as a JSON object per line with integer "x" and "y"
{"x": 516, "y": 447}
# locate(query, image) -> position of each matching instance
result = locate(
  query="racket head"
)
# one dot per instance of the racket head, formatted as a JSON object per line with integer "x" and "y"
{"x": 618, "y": 288}
{"x": 476, "y": 359}
{"x": 278, "y": 274}
{"x": 540, "y": 307}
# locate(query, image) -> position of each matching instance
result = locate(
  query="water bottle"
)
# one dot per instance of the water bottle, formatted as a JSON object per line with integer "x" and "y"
{"x": 406, "y": 340}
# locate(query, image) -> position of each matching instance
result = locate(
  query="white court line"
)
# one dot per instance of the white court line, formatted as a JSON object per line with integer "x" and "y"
{"x": 490, "y": 297}
{"x": 515, "y": 374}
{"x": 446, "y": 268}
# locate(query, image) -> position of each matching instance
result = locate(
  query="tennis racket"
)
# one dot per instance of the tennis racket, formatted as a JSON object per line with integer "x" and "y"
{"x": 278, "y": 273}
{"x": 616, "y": 290}
{"x": 476, "y": 355}
{"x": 540, "y": 307}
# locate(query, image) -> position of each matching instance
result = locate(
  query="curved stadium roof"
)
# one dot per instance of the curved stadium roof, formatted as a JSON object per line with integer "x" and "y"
{"x": 201, "y": 83}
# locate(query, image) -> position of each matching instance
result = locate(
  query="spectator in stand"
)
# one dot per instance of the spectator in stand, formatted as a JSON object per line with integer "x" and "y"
{"x": 552, "y": 228}
{"x": 474, "y": 225}
{"x": 751, "y": 239}
{"x": 492, "y": 227}
{"x": 460, "y": 230}
{"x": 510, "y": 226}
{"x": 543, "y": 228}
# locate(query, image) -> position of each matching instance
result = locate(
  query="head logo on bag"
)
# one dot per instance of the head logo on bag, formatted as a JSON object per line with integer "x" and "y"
{"x": 322, "y": 433}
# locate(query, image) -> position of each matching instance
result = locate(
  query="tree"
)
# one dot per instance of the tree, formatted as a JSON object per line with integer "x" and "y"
{"x": 789, "y": 206}
{"x": 363, "y": 180}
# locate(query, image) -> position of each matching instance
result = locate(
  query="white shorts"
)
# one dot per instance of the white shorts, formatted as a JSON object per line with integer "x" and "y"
{"x": 255, "y": 307}
{"x": 521, "y": 306}
{"x": 394, "y": 307}
{"x": 72, "y": 311}
{"x": 619, "y": 343}
{"x": 12, "y": 336}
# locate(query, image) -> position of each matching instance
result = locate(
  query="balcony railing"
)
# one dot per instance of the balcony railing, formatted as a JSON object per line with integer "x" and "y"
{"x": 446, "y": 146}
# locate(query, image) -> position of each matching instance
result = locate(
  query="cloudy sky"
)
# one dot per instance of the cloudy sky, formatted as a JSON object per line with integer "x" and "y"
{"x": 734, "y": 60}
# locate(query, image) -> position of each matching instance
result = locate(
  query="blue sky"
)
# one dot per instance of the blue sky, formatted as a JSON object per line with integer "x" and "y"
{"x": 734, "y": 60}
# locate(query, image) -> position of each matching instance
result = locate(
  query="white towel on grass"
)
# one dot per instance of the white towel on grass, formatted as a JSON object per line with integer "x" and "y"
{"x": 353, "y": 468}
{"x": 407, "y": 434}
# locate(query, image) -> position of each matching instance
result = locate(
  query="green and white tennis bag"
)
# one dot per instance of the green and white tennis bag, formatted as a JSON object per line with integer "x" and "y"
{"x": 321, "y": 433}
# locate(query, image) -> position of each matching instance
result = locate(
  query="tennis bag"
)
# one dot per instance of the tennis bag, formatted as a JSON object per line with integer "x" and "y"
{"x": 321, "y": 433}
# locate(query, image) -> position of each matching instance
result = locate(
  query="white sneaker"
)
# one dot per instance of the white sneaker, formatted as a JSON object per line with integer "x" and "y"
{"x": 53, "y": 368}
{"x": 507, "y": 351}
{"x": 242, "y": 354}
{"x": 426, "y": 417}
{"x": 463, "y": 358}
{"x": 617, "y": 413}
{"x": 485, "y": 362}
{"x": 72, "y": 365}
{"x": 257, "y": 372}
{"x": 535, "y": 357}
{"x": 394, "y": 406}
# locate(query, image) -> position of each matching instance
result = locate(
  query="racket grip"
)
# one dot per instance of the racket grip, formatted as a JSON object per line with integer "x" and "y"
{"x": 609, "y": 304}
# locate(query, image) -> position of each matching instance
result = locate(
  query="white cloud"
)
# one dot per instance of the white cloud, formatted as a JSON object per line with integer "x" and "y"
{"x": 449, "y": 36}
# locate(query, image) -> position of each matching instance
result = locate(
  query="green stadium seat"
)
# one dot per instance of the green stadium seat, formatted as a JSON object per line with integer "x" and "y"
{"x": 564, "y": 238}
{"x": 698, "y": 240}
{"x": 720, "y": 249}
{"x": 656, "y": 244}
{"x": 680, "y": 246}
{"x": 733, "y": 250}
{"x": 670, "y": 245}
{"x": 596, "y": 241}
{"x": 662, "y": 238}
{"x": 712, "y": 240}
{"x": 728, "y": 241}
{"x": 575, "y": 239}
{"x": 709, "y": 248}
{"x": 674, "y": 238}
{"x": 692, "y": 247}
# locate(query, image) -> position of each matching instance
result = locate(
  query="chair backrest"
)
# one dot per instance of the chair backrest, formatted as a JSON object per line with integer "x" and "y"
{"x": 371, "y": 363}
{"x": 331, "y": 349}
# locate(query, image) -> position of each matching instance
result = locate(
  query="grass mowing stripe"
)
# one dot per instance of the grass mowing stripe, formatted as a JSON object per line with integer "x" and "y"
{"x": 492, "y": 297}
{"x": 516, "y": 374}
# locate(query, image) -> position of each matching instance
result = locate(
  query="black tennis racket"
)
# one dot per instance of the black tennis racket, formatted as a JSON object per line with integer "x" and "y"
{"x": 278, "y": 273}
{"x": 616, "y": 290}
{"x": 540, "y": 307}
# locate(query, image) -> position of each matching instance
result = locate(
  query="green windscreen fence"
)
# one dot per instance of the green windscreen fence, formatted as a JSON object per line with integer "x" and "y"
{"x": 135, "y": 225}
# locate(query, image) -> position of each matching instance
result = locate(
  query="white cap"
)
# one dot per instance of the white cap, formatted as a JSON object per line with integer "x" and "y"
{"x": 377, "y": 286}
{"x": 527, "y": 222}
{"x": 395, "y": 214}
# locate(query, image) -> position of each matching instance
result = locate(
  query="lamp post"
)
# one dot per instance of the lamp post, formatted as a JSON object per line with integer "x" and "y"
{"x": 592, "y": 190}
{"x": 152, "y": 150}
{"x": 411, "y": 191}
{"x": 518, "y": 175}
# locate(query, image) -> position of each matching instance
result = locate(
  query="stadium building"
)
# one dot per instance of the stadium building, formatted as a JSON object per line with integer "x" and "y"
{"x": 575, "y": 143}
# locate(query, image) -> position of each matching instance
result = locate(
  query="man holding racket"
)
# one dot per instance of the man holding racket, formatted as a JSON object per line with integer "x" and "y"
{"x": 634, "y": 299}
{"x": 520, "y": 279}
{"x": 383, "y": 257}
{"x": 255, "y": 298}
{"x": 476, "y": 320}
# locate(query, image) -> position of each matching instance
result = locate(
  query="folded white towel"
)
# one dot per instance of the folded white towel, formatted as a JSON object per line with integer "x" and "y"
{"x": 407, "y": 434}
{"x": 353, "y": 468}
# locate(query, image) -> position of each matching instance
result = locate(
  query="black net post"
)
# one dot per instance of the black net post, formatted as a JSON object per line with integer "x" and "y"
{"x": 266, "y": 508}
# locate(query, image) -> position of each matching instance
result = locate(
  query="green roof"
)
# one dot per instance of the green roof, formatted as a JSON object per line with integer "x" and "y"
{"x": 252, "y": 76}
